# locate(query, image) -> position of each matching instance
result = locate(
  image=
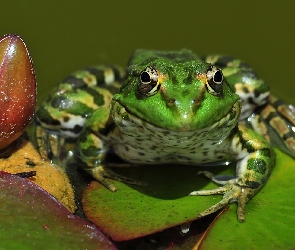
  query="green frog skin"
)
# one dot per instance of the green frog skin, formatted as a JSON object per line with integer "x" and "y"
{"x": 169, "y": 107}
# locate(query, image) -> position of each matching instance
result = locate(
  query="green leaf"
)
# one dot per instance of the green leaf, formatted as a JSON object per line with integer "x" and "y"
{"x": 134, "y": 211}
{"x": 33, "y": 219}
{"x": 270, "y": 217}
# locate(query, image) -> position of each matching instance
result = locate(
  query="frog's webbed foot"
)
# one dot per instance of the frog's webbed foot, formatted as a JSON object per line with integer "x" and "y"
{"x": 276, "y": 122}
{"x": 100, "y": 173}
{"x": 232, "y": 192}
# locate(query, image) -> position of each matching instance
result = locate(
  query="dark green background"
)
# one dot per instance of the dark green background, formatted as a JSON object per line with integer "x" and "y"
{"x": 63, "y": 36}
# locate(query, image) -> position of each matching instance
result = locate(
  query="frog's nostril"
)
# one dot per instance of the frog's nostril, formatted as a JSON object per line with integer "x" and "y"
{"x": 171, "y": 101}
{"x": 197, "y": 102}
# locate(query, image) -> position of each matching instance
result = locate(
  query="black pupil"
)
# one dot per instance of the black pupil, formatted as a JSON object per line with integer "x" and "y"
{"x": 145, "y": 77}
{"x": 218, "y": 76}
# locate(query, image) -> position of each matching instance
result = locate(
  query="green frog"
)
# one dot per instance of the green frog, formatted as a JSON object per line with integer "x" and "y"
{"x": 172, "y": 108}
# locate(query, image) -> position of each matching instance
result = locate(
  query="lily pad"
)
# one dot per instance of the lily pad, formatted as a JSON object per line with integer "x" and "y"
{"x": 270, "y": 221}
{"x": 31, "y": 218}
{"x": 135, "y": 211}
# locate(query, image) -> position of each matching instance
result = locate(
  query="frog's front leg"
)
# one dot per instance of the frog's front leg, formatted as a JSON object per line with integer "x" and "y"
{"x": 256, "y": 161}
{"x": 92, "y": 148}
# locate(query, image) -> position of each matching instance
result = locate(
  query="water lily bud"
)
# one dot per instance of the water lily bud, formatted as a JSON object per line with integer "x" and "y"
{"x": 17, "y": 89}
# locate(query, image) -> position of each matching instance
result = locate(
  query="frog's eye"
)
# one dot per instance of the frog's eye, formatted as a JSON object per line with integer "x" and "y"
{"x": 214, "y": 81}
{"x": 148, "y": 82}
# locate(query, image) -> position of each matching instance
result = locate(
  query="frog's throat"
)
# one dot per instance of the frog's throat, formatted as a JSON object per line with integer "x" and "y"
{"x": 124, "y": 118}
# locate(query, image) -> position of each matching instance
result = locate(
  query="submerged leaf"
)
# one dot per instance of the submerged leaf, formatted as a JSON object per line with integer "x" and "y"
{"x": 33, "y": 219}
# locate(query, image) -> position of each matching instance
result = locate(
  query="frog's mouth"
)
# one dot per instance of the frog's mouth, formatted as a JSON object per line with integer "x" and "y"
{"x": 128, "y": 122}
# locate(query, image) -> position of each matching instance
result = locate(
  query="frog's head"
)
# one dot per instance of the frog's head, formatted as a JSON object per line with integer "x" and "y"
{"x": 176, "y": 91}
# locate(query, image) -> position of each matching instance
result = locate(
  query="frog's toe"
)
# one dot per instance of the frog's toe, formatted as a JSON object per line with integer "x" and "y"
{"x": 49, "y": 144}
{"x": 232, "y": 192}
{"x": 218, "y": 179}
{"x": 101, "y": 173}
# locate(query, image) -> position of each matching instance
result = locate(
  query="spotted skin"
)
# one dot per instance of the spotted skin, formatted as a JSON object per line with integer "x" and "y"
{"x": 172, "y": 107}
{"x": 73, "y": 100}
{"x": 144, "y": 143}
